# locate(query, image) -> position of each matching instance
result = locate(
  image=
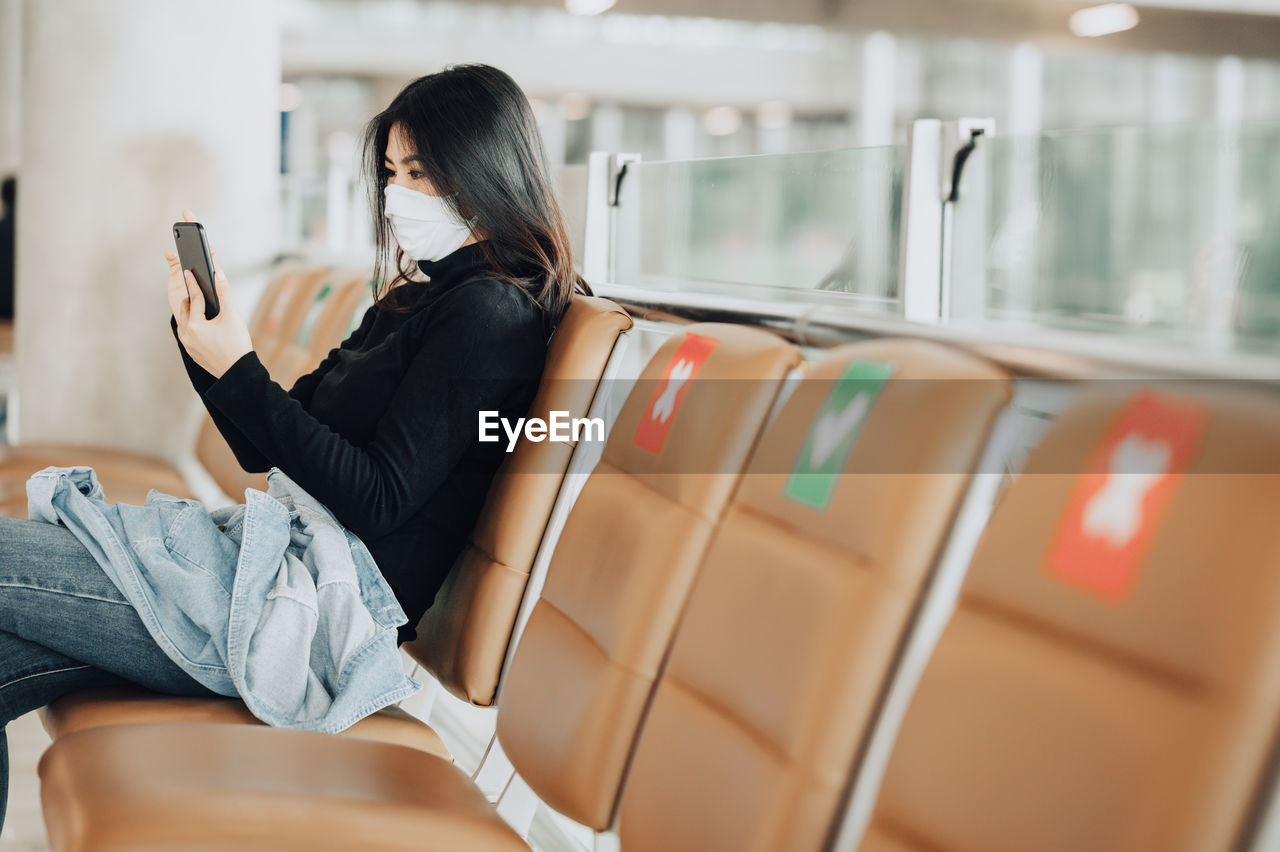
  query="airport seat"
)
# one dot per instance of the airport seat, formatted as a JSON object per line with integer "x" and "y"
{"x": 127, "y": 476}
{"x": 463, "y": 637}
{"x": 466, "y": 646}
{"x": 792, "y": 631}
{"x": 304, "y": 312}
{"x": 308, "y": 315}
{"x": 1110, "y": 679}
{"x": 584, "y": 668}
{"x": 123, "y": 705}
{"x": 569, "y": 708}
{"x": 299, "y": 791}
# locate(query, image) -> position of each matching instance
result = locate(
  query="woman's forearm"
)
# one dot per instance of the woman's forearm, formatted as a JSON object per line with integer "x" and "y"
{"x": 246, "y": 453}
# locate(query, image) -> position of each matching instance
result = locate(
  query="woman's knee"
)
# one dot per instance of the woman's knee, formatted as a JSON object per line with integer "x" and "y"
{"x": 34, "y": 554}
{"x": 54, "y": 594}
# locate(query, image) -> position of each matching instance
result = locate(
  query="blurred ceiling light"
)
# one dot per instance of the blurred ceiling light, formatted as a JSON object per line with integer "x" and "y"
{"x": 574, "y": 106}
{"x": 588, "y": 7}
{"x": 773, "y": 114}
{"x": 290, "y": 97}
{"x": 1103, "y": 20}
{"x": 721, "y": 120}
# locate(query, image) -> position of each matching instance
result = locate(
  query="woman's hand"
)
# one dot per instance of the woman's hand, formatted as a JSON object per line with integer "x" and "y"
{"x": 214, "y": 344}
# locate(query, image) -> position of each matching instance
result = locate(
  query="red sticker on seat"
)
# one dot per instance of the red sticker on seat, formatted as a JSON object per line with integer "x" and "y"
{"x": 1120, "y": 498}
{"x": 660, "y": 413}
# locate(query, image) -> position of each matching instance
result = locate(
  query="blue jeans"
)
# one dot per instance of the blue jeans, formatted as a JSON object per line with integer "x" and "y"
{"x": 64, "y": 626}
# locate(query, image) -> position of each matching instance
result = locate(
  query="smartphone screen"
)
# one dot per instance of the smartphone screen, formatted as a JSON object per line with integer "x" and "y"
{"x": 193, "y": 254}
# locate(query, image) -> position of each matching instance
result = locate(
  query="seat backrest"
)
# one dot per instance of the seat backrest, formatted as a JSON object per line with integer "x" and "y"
{"x": 804, "y": 597}
{"x": 1110, "y": 679}
{"x": 279, "y": 309}
{"x": 462, "y": 639}
{"x": 274, "y": 296}
{"x": 327, "y": 323}
{"x": 311, "y": 303}
{"x": 582, "y": 673}
{"x": 320, "y": 328}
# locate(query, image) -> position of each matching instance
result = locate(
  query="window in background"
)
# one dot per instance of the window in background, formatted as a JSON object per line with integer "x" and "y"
{"x": 807, "y": 92}
{"x": 324, "y": 207}
{"x": 1167, "y": 230}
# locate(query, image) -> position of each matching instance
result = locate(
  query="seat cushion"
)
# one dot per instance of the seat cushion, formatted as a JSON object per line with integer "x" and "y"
{"x": 94, "y": 708}
{"x": 213, "y": 787}
{"x": 126, "y": 477}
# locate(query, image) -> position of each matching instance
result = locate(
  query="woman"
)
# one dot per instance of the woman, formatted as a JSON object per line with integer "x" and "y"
{"x": 384, "y": 432}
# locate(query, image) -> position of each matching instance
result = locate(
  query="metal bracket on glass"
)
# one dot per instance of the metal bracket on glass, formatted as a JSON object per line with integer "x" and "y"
{"x": 960, "y": 139}
{"x": 964, "y": 213}
{"x": 605, "y": 173}
{"x": 937, "y": 156}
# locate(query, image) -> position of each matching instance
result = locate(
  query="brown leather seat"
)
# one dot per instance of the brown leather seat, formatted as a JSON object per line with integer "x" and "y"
{"x": 123, "y": 705}
{"x": 308, "y": 305}
{"x": 483, "y": 604}
{"x": 792, "y": 630}
{"x": 126, "y": 476}
{"x": 1110, "y": 679}
{"x": 581, "y": 677}
{"x": 463, "y": 637}
{"x": 294, "y": 338}
{"x": 583, "y": 671}
{"x": 298, "y": 791}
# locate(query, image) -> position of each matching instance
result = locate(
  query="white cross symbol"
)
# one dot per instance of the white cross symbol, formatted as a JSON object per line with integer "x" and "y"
{"x": 1114, "y": 514}
{"x": 666, "y": 404}
{"x": 832, "y": 428}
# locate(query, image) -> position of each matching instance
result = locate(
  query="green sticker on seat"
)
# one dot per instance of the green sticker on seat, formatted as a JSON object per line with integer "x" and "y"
{"x": 834, "y": 431}
{"x": 313, "y": 313}
{"x": 366, "y": 301}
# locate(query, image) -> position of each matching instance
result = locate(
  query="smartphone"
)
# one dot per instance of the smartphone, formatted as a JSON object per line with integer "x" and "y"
{"x": 193, "y": 254}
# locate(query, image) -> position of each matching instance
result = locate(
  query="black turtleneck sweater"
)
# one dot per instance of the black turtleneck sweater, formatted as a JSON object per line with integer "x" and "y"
{"x": 385, "y": 431}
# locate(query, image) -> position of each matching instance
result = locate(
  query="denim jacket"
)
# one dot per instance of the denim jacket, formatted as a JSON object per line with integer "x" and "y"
{"x": 272, "y": 600}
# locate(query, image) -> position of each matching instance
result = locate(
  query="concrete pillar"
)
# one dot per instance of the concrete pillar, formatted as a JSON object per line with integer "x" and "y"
{"x": 679, "y": 134}
{"x": 875, "y": 108}
{"x": 131, "y": 110}
{"x": 1220, "y": 262}
{"x": 10, "y": 83}
{"x": 606, "y": 128}
{"x": 1016, "y": 249}
{"x": 552, "y": 126}
{"x": 875, "y": 130}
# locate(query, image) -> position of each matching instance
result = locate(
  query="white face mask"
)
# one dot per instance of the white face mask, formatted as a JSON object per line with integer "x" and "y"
{"x": 425, "y": 226}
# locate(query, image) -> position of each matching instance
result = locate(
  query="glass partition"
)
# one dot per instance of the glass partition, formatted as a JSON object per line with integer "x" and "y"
{"x": 1167, "y": 231}
{"x": 819, "y": 221}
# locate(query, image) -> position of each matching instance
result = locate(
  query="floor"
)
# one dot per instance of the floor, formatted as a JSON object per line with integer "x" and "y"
{"x": 23, "y": 826}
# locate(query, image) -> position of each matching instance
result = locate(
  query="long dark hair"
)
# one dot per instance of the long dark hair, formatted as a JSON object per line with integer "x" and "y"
{"x": 479, "y": 143}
